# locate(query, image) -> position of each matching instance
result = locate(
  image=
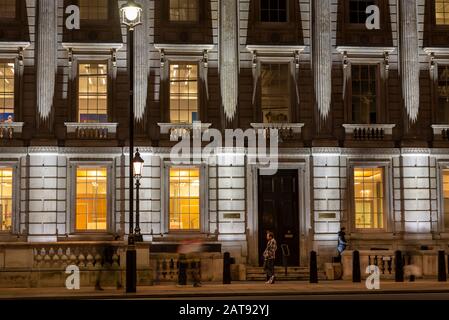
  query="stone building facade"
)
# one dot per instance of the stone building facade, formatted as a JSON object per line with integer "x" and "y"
{"x": 363, "y": 116}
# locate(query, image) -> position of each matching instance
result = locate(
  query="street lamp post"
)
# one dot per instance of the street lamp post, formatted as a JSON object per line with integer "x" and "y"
{"x": 138, "y": 168}
{"x": 131, "y": 16}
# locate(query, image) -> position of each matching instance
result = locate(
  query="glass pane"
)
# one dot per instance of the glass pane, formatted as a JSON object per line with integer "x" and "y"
{"x": 183, "y": 92}
{"x": 184, "y": 10}
{"x": 6, "y": 201}
{"x": 184, "y": 199}
{"x": 8, "y": 9}
{"x": 7, "y": 91}
{"x": 368, "y": 198}
{"x": 92, "y": 92}
{"x": 94, "y": 9}
{"x": 275, "y": 84}
{"x": 91, "y": 199}
{"x": 364, "y": 94}
{"x": 442, "y": 12}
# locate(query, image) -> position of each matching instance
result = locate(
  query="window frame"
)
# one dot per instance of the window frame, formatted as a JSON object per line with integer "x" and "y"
{"x": 16, "y": 86}
{"x": 74, "y": 84}
{"x": 15, "y": 219}
{"x": 433, "y": 17}
{"x": 289, "y": 18}
{"x": 17, "y": 12}
{"x": 388, "y": 192}
{"x": 277, "y": 60}
{"x": 74, "y": 164}
{"x": 378, "y": 92}
{"x": 436, "y": 62}
{"x": 186, "y": 61}
{"x": 359, "y": 26}
{"x": 199, "y": 13}
{"x": 441, "y": 166}
{"x": 204, "y": 199}
{"x": 91, "y": 22}
{"x": 108, "y": 93}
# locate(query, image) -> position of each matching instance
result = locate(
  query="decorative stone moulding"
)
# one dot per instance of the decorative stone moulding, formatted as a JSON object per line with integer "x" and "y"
{"x": 101, "y": 131}
{"x": 287, "y": 131}
{"x": 180, "y": 130}
{"x": 366, "y": 132}
{"x": 9, "y": 130}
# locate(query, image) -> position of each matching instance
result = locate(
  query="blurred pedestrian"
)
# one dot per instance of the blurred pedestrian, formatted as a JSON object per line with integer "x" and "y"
{"x": 269, "y": 257}
{"x": 108, "y": 265}
{"x": 342, "y": 243}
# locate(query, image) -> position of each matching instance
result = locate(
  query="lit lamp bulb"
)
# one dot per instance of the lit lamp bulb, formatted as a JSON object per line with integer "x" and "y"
{"x": 131, "y": 14}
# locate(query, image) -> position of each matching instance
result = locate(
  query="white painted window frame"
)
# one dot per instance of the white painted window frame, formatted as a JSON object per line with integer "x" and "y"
{"x": 73, "y": 165}
{"x": 204, "y": 198}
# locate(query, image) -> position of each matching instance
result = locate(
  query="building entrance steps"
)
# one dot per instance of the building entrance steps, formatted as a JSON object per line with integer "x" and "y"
{"x": 293, "y": 274}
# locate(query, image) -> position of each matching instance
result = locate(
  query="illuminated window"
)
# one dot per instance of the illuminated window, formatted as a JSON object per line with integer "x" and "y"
{"x": 6, "y": 91}
{"x": 93, "y": 9}
{"x": 273, "y": 10}
{"x": 441, "y": 12}
{"x": 6, "y": 198}
{"x": 8, "y": 9}
{"x": 446, "y": 198}
{"x": 357, "y": 11}
{"x": 275, "y": 80}
{"x": 184, "y": 10}
{"x": 369, "y": 198}
{"x": 91, "y": 199}
{"x": 443, "y": 94}
{"x": 184, "y": 199}
{"x": 364, "y": 91}
{"x": 93, "y": 92}
{"x": 183, "y": 93}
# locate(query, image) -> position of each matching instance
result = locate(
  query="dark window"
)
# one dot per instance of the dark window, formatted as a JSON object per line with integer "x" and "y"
{"x": 275, "y": 92}
{"x": 8, "y": 9}
{"x": 357, "y": 11}
{"x": 94, "y": 9}
{"x": 273, "y": 10}
{"x": 364, "y": 92}
{"x": 443, "y": 94}
{"x": 184, "y": 10}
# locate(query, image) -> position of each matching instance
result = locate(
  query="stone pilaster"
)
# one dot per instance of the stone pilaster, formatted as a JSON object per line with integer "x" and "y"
{"x": 141, "y": 65}
{"x": 409, "y": 47}
{"x": 46, "y": 62}
{"x": 229, "y": 57}
{"x": 322, "y": 63}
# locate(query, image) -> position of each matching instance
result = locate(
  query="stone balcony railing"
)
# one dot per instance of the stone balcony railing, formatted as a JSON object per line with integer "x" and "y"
{"x": 91, "y": 131}
{"x": 369, "y": 132}
{"x": 286, "y": 131}
{"x": 178, "y": 131}
{"x": 10, "y": 130}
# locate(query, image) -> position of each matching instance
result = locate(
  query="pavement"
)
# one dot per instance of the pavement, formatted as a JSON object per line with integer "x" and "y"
{"x": 236, "y": 289}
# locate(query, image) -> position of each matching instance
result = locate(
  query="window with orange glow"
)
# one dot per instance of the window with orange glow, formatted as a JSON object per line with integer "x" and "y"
{"x": 275, "y": 86}
{"x": 446, "y": 197}
{"x": 369, "y": 198}
{"x": 184, "y": 199}
{"x": 184, "y": 10}
{"x": 93, "y": 92}
{"x": 6, "y": 179}
{"x": 442, "y": 12}
{"x": 91, "y": 199}
{"x": 6, "y": 91}
{"x": 183, "y": 93}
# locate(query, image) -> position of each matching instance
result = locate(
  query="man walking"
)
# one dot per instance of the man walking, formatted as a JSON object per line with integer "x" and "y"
{"x": 269, "y": 257}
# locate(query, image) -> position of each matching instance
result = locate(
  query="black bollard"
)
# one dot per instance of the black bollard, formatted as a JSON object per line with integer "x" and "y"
{"x": 313, "y": 268}
{"x": 182, "y": 275}
{"x": 399, "y": 270}
{"x": 441, "y": 266}
{"x": 356, "y": 277}
{"x": 227, "y": 261}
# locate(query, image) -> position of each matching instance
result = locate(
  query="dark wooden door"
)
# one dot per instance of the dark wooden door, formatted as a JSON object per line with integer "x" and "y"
{"x": 279, "y": 213}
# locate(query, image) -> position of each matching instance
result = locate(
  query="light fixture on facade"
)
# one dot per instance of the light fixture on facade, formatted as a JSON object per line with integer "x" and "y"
{"x": 138, "y": 165}
{"x": 131, "y": 14}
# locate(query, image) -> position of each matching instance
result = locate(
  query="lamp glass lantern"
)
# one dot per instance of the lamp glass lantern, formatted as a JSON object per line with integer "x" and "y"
{"x": 138, "y": 165}
{"x": 131, "y": 14}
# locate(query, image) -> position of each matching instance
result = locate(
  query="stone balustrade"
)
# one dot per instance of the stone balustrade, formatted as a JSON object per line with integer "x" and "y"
{"x": 10, "y": 130}
{"x": 286, "y": 131}
{"x": 91, "y": 131}
{"x": 369, "y": 132}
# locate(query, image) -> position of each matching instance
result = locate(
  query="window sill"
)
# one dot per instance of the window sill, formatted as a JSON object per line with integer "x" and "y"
{"x": 274, "y": 50}
{"x": 365, "y": 51}
{"x": 91, "y": 46}
{"x": 437, "y": 51}
{"x": 10, "y": 130}
{"x": 14, "y": 45}
{"x": 182, "y": 130}
{"x": 184, "y": 48}
{"x": 102, "y": 131}
{"x": 367, "y": 132}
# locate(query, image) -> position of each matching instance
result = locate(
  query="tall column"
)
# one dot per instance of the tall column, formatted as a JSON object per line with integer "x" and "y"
{"x": 322, "y": 63}
{"x": 409, "y": 60}
{"x": 46, "y": 62}
{"x": 229, "y": 57}
{"x": 141, "y": 66}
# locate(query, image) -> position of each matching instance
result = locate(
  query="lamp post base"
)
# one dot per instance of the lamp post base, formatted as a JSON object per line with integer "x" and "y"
{"x": 131, "y": 269}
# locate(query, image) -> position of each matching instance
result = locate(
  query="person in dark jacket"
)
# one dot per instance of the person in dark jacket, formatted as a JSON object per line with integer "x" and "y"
{"x": 341, "y": 245}
{"x": 269, "y": 257}
{"x": 108, "y": 265}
